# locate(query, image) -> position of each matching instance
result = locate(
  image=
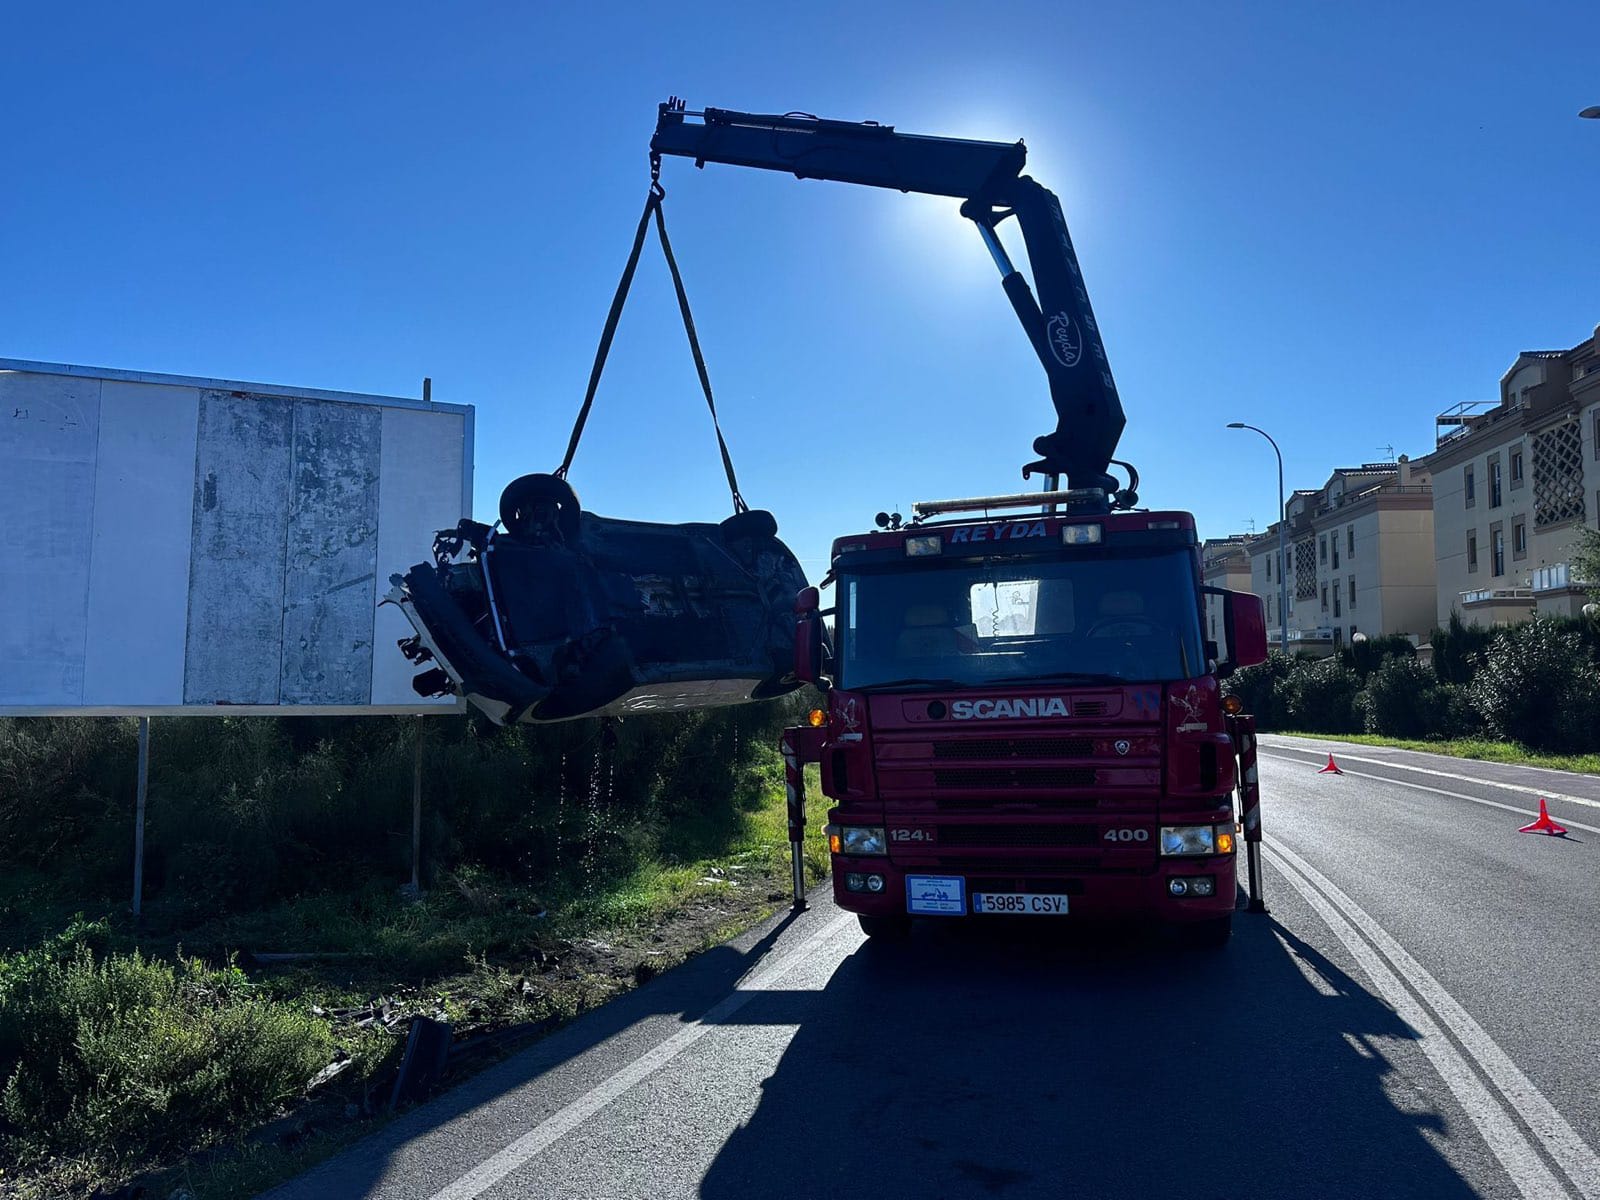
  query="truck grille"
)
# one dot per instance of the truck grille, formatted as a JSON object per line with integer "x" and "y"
{"x": 997, "y": 836}
{"x": 1034, "y": 747}
{"x": 1052, "y": 803}
{"x": 982, "y": 778}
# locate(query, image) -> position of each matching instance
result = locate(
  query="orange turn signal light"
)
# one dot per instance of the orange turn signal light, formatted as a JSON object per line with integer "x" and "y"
{"x": 835, "y": 844}
{"x": 1224, "y": 843}
{"x": 816, "y": 718}
{"x": 1232, "y": 705}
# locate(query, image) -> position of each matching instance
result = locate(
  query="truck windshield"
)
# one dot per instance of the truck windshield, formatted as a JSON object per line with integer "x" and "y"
{"x": 971, "y": 624}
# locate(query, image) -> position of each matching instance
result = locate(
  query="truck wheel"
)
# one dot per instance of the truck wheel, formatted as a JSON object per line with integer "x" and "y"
{"x": 885, "y": 929}
{"x": 1210, "y": 935}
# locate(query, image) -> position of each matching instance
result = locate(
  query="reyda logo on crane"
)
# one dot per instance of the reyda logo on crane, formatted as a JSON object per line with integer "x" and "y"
{"x": 1066, "y": 343}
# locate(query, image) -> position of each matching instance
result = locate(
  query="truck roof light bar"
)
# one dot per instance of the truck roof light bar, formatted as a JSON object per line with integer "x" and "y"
{"x": 1092, "y": 499}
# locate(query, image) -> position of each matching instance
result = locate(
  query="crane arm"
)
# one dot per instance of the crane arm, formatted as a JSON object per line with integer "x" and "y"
{"x": 987, "y": 177}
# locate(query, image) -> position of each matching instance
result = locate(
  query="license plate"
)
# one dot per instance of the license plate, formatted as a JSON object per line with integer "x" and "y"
{"x": 1026, "y": 904}
{"x": 940, "y": 895}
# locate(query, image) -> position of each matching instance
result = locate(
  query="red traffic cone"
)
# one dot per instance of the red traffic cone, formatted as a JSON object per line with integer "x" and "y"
{"x": 1331, "y": 769}
{"x": 1544, "y": 824}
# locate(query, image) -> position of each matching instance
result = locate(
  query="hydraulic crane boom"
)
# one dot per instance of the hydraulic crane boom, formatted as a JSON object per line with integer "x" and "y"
{"x": 987, "y": 177}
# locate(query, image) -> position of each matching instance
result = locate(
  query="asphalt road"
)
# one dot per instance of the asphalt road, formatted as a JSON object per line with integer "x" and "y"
{"x": 1419, "y": 1015}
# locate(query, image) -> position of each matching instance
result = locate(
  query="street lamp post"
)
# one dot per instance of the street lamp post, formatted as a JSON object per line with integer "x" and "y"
{"x": 1283, "y": 554}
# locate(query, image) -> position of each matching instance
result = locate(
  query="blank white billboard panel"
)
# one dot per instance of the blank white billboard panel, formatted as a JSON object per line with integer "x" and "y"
{"x": 185, "y": 545}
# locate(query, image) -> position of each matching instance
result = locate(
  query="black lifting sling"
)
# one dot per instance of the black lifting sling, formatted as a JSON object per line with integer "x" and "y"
{"x": 652, "y": 207}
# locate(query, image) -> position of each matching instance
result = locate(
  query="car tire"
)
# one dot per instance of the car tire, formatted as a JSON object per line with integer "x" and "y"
{"x": 751, "y": 524}
{"x": 894, "y": 928}
{"x": 522, "y": 493}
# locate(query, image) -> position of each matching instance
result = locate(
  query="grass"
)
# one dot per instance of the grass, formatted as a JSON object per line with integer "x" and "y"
{"x": 485, "y": 950}
{"x": 1481, "y": 749}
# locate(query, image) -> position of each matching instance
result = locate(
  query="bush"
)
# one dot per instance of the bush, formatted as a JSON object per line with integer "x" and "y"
{"x": 1365, "y": 657}
{"x": 1459, "y": 650}
{"x": 1405, "y": 700}
{"x": 118, "y": 1056}
{"x": 1259, "y": 688}
{"x": 245, "y": 812}
{"x": 1539, "y": 687}
{"x": 1321, "y": 697}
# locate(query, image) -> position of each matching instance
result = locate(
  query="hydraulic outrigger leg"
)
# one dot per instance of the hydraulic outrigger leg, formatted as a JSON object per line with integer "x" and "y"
{"x": 1243, "y": 731}
{"x": 801, "y": 744}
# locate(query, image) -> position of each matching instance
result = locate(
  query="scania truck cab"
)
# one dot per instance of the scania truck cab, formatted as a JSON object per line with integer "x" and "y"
{"x": 1022, "y": 716}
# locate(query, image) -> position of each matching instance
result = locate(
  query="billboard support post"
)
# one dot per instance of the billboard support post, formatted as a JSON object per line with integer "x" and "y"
{"x": 138, "y": 821}
{"x": 416, "y": 808}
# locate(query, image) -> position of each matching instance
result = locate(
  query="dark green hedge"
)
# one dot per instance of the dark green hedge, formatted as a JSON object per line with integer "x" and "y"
{"x": 1537, "y": 684}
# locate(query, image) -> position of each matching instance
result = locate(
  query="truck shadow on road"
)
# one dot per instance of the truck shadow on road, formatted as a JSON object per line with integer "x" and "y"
{"x": 1029, "y": 1062}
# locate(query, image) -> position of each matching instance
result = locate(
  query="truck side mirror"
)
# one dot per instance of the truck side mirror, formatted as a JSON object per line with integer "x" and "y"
{"x": 808, "y": 637}
{"x": 1244, "y": 628}
{"x": 1246, "y": 622}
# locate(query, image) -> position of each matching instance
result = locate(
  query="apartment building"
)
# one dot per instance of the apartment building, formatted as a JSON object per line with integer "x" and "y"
{"x": 1224, "y": 563}
{"x": 1513, "y": 482}
{"x": 1360, "y": 558}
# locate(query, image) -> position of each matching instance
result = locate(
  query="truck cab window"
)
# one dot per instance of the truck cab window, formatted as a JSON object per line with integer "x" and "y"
{"x": 983, "y": 622}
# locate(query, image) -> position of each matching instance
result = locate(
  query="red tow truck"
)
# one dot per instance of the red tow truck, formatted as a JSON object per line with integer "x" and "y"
{"x": 1023, "y": 716}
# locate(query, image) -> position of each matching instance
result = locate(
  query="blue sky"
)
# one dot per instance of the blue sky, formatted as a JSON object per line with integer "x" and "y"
{"x": 1329, "y": 220}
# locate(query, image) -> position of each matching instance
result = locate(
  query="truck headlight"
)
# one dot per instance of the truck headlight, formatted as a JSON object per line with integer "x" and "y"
{"x": 1188, "y": 839}
{"x": 858, "y": 839}
{"x": 1197, "y": 839}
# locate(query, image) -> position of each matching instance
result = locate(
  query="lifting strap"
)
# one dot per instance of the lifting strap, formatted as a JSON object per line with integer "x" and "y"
{"x": 652, "y": 207}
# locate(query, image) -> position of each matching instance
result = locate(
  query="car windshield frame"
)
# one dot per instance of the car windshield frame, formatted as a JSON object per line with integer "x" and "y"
{"x": 993, "y": 621}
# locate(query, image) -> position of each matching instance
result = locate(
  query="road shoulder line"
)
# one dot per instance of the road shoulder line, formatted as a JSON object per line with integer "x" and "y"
{"x": 1572, "y": 1154}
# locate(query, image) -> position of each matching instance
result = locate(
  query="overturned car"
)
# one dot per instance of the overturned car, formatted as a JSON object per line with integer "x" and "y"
{"x": 563, "y": 614}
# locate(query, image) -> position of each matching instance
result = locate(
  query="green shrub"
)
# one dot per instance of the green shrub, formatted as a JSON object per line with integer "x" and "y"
{"x": 1321, "y": 697}
{"x": 1366, "y": 656}
{"x": 246, "y": 812}
{"x": 1585, "y": 560}
{"x": 1404, "y": 699}
{"x": 118, "y": 1056}
{"x": 1258, "y": 688}
{"x": 1538, "y": 686}
{"x": 1459, "y": 650}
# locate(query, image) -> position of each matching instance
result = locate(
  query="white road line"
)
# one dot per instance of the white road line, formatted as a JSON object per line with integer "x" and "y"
{"x": 1520, "y": 1160}
{"x": 1570, "y": 1151}
{"x": 556, "y": 1126}
{"x": 1422, "y": 787}
{"x": 1399, "y": 766}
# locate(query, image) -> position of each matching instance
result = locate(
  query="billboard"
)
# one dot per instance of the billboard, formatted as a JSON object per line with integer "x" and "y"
{"x": 201, "y": 545}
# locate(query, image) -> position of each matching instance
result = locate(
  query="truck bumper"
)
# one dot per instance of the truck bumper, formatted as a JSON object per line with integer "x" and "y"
{"x": 1092, "y": 897}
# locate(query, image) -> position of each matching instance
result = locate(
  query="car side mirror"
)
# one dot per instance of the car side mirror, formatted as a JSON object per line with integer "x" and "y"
{"x": 808, "y": 637}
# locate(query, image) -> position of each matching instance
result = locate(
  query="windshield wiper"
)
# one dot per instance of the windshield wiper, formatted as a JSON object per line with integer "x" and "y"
{"x": 916, "y": 681}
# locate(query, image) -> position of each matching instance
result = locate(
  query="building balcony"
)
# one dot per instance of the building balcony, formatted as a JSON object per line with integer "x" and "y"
{"x": 1382, "y": 489}
{"x": 1492, "y": 595}
{"x": 1498, "y": 605}
{"x": 1557, "y": 591}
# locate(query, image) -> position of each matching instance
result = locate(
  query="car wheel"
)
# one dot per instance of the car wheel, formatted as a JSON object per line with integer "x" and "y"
{"x": 521, "y": 495}
{"x": 752, "y": 524}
